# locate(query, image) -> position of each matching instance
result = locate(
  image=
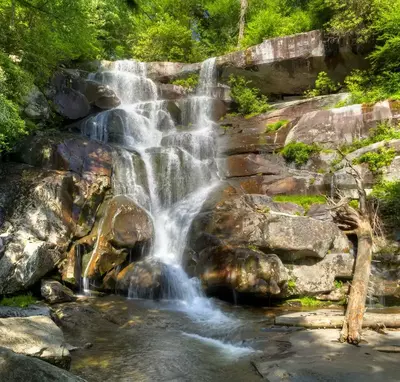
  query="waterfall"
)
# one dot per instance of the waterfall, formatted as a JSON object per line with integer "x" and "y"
{"x": 168, "y": 171}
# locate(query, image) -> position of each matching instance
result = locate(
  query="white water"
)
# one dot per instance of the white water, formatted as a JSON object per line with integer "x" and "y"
{"x": 167, "y": 171}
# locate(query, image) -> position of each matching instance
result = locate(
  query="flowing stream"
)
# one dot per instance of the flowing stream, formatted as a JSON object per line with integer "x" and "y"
{"x": 168, "y": 169}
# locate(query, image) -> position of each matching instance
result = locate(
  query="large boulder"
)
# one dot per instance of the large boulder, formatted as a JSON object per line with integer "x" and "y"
{"x": 290, "y": 64}
{"x": 123, "y": 226}
{"x": 71, "y": 104}
{"x": 45, "y": 208}
{"x": 36, "y": 336}
{"x": 242, "y": 220}
{"x": 20, "y": 368}
{"x": 241, "y": 269}
{"x": 312, "y": 277}
{"x": 54, "y": 292}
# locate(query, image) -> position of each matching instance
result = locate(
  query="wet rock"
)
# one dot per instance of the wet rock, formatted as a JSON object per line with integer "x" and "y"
{"x": 142, "y": 279}
{"x": 172, "y": 92}
{"x": 100, "y": 95}
{"x": 36, "y": 336}
{"x": 54, "y": 292}
{"x": 123, "y": 226}
{"x": 242, "y": 269}
{"x": 71, "y": 104}
{"x": 251, "y": 164}
{"x": 19, "y": 368}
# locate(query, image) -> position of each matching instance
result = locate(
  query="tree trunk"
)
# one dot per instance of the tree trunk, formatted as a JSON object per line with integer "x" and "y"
{"x": 352, "y": 325}
{"x": 243, "y": 10}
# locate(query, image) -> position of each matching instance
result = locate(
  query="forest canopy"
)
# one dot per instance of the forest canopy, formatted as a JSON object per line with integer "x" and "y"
{"x": 39, "y": 35}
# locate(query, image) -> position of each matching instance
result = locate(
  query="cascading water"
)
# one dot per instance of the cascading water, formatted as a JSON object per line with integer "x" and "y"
{"x": 168, "y": 171}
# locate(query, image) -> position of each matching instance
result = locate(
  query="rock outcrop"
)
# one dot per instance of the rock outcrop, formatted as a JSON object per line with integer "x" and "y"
{"x": 54, "y": 292}
{"x": 18, "y": 368}
{"x": 36, "y": 336}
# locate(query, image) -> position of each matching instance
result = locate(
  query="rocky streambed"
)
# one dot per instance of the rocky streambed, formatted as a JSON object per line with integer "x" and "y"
{"x": 112, "y": 338}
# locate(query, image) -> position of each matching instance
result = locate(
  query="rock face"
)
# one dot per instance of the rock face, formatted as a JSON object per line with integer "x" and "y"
{"x": 36, "y": 336}
{"x": 47, "y": 206}
{"x": 335, "y": 127}
{"x": 37, "y": 106}
{"x": 255, "y": 220}
{"x": 19, "y": 368}
{"x": 54, "y": 292}
{"x": 282, "y": 65}
{"x": 241, "y": 269}
{"x": 123, "y": 226}
{"x": 253, "y": 245}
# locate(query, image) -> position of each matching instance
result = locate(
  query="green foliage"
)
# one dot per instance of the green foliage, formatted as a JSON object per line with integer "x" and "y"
{"x": 384, "y": 131}
{"x": 252, "y": 247}
{"x": 167, "y": 40}
{"x": 276, "y": 126}
{"x": 12, "y": 127}
{"x": 299, "y": 152}
{"x": 249, "y": 99}
{"x": 305, "y": 201}
{"x": 21, "y": 301}
{"x": 323, "y": 85}
{"x": 377, "y": 160}
{"x": 367, "y": 87}
{"x": 307, "y": 302}
{"x": 338, "y": 284}
{"x": 291, "y": 286}
{"x": 189, "y": 82}
{"x": 354, "y": 204}
{"x": 275, "y": 18}
{"x": 387, "y": 196}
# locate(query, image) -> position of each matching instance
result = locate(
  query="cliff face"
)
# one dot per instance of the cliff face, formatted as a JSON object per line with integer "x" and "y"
{"x": 59, "y": 205}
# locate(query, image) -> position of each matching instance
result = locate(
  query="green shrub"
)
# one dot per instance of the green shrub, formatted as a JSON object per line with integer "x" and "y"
{"x": 12, "y": 127}
{"x": 387, "y": 197}
{"x": 299, "y": 152}
{"x": 276, "y": 126}
{"x": 21, "y": 301}
{"x": 323, "y": 85}
{"x": 305, "y": 201}
{"x": 189, "y": 82}
{"x": 250, "y": 101}
{"x": 382, "y": 132}
{"x": 377, "y": 160}
{"x": 354, "y": 204}
{"x": 367, "y": 87}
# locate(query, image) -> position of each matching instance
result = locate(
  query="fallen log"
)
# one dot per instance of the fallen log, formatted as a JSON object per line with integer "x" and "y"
{"x": 321, "y": 320}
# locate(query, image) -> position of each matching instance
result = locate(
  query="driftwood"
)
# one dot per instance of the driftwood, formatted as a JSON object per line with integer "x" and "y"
{"x": 325, "y": 321}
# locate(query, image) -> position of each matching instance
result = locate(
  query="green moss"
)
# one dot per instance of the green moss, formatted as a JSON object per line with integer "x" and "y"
{"x": 291, "y": 286}
{"x": 307, "y": 302}
{"x": 305, "y": 201}
{"x": 338, "y": 284}
{"x": 21, "y": 301}
{"x": 299, "y": 152}
{"x": 276, "y": 126}
{"x": 189, "y": 82}
{"x": 252, "y": 247}
{"x": 354, "y": 204}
